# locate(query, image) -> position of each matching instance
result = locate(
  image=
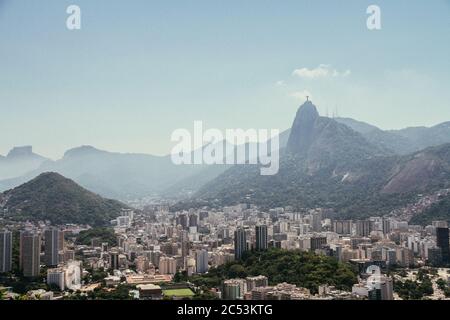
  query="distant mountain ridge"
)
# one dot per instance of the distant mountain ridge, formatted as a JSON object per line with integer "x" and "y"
{"x": 110, "y": 174}
{"x": 401, "y": 141}
{"x": 19, "y": 161}
{"x": 53, "y": 197}
{"x": 125, "y": 176}
{"x": 128, "y": 176}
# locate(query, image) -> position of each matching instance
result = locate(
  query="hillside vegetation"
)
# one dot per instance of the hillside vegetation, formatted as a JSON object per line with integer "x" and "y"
{"x": 304, "y": 269}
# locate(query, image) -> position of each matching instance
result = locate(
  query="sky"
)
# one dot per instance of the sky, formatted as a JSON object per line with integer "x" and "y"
{"x": 139, "y": 69}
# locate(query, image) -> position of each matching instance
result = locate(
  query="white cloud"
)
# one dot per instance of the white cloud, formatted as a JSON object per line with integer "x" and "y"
{"x": 322, "y": 71}
{"x": 301, "y": 95}
{"x": 280, "y": 83}
{"x": 346, "y": 73}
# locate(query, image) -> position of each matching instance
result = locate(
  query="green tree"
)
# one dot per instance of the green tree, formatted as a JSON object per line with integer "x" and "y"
{"x": 2, "y": 294}
{"x": 304, "y": 269}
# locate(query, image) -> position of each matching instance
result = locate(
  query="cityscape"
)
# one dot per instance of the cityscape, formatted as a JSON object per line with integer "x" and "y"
{"x": 209, "y": 153}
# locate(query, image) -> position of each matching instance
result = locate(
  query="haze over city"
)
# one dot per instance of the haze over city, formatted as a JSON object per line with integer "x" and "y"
{"x": 240, "y": 153}
{"x": 134, "y": 73}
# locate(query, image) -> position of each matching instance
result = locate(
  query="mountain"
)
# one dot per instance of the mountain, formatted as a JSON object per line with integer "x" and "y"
{"x": 19, "y": 161}
{"x": 53, "y": 197}
{"x": 125, "y": 176}
{"x": 424, "y": 137}
{"x": 316, "y": 143}
{"x": 437, "y": 211}
{"x": 116, "y": 175}
{"x": 186, "y": 187}
{"x": 328, "y": 164}
{"x": 403, "y": 141}
{"x": 303, "y": 130}
{"x": 422, "y": 171}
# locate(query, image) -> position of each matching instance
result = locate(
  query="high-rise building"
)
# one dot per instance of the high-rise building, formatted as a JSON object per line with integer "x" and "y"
{"x": 123, "y": 221}
{"x": 167, "y": 265}
{"x": 169, "y": 248}
{"x": 442, "y": 241}
{"x": 120, "y": 241}
{"x": 5, "y": 251}
{"x": 142, "y": 264}
{"x": 184, "y": 244}
{"x": 261, "y": 237}
{"x": 405, "y": 257}
{"x": 386, "y": 226}
{"x": 193, "y": 220}
{"x": 317, "y": 242}
{"x": 439, "y": 224}
{"x": 240, "y": 243}
{"x": 68, "y": 255}
{"x": 30, "y": 251}
{"x": 51, "y": 249}
{"x": 391, "y": 257}
{"x": 363, "y": 228}
{"x": 342, "y": 227}
{"x": 182, "y": 220}
{"x": 316, "y": 221}
{"x": 376, "y": 255}
{"x": 201, "y": 261}
{"x": 56, "y": 277}
{"x": 61, "y": 240}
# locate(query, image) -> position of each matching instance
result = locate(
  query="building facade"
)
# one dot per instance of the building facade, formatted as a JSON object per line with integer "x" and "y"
{"x": 52, "y": 242}
{"x": 201, "y": 261}
{"x": 442, "y": 241}
{"x": 5, "y": 251}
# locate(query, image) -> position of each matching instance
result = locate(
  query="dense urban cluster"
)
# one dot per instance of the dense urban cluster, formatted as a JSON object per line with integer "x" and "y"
{"x": 158, "y": 254}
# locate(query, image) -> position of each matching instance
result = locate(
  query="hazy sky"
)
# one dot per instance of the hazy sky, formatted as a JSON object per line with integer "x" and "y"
{"x": 137, "y": 70}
